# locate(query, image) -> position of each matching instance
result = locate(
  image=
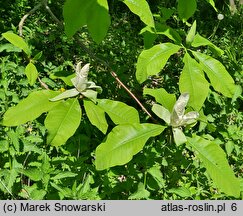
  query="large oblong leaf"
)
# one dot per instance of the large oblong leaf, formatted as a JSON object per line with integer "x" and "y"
{"x": 62, "y": 121}
{"x": 75, "y": 15}
{"x": 201, "y": 41}
{"x": 120, "y": 113}
{"x": 17, "y": 41}
{"x": 214, "y": 160}
{"x": 218, "y": 75}
{"x": 151, "y": 61}
{"x": 29, "y": 108}
{"x": 192, "y": 80}
{"x": 93, "y": 13}
{"x": 186, "y": 9}
{"x": 98, "y": 20}
{"x": 123, "y": 142}
{"x": 96, "y": 115}
{"x": 141, "y": 8}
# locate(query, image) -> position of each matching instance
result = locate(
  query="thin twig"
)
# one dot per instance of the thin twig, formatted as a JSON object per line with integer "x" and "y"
{"x": 21, "y": 23}
{"x": 132, "y": 95}
{"x": 43, "y": 84}
{"x": 52, "y": 14}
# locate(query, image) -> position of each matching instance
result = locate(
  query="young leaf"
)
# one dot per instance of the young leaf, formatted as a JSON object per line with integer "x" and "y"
{"x": 96, "y": 115}
{"x": 186, "y": 9}
{"x": 201, "y": 41}
{"x": 192, "y": 80}
{"x": 31, "y": 73}
{"x": 161, "y": 112}
{"x": 141, "y": 8}
{"x": 119, "y": 112}
{"x": 17, "y": 41}
{"x": 98, "y": 20}
{"x": 90, "y": 94}
{"x": 67, "y": 94}
{"x": 215, "y": 161}
{"x": 212, "y": 4}
{"x": 29, "y": 108}
{"x": 218, "y": 75}
{"x": 161, "y": 96}
{"x": 62, "y": 121}
{"x": 191, "y": 34}
{"x": 179, "y": 136}
{"x": 123, "y": 142}
{"x": 151, "y": 61}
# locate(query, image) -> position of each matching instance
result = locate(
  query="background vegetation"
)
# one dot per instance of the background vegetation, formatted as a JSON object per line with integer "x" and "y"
{"x": 32, "y": 169}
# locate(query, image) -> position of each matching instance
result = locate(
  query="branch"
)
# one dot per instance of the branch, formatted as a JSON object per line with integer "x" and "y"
{"x": 21, "y": 23}
{"x": 87, "y": 50}
{"x": 43, "y": 84}
{"x": 132, "y": 95}
{"x": 52, "y": 14}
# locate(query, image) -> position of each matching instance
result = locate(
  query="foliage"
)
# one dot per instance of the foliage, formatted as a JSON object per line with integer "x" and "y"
{"x": 67, "y": 142}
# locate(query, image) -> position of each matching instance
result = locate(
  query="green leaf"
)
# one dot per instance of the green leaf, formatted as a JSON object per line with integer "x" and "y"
{"x": 141, "y": 8}
{"x": 98, "y": 20}
{"x": 151, "y": 61}
{"x": 17, "y": 41}
{"x": 120, "y": 113}
{"x": 34, "y": 174}
{"x": 169, "y": 32}
{"x": 96, "y": 115}
{"x": 237, "y": 93}
{"x": 192, "y": 80}
{"x": 201, "y": 41}
{"x": 191, "y": 34}
{"x": 66, "y": 79}
{"x": 31, "y": 73}
{"x": 90, "y": 94}
{"x": 161, "y": 96}
{"x": 149, "y": 36}
{"x": 8, "y": 47}
{"x": 29, "y": 108}
{"x": 93, "y": 13}
{"x": 66, "y": 174}
{"x": 38, "y": 56}
{"x": 123, "y": 142}
{"x": 161, "y": 112}
{"x": 75, "y": 15}
{"x": 212, "y": 4}
{"x": 218, "y": 75}
{"x": 214, "y": 160}
{"x": 32, "y": 192}
{"x": 67, "y": 94}
{"x": 156, "y": 173}
{"x": 141, "y": 193}
{"x": 186, "y": 8}
{"x": 179, "y": 136}
{"x": 62, "y": 121}
{"x": 181, "y": 191}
